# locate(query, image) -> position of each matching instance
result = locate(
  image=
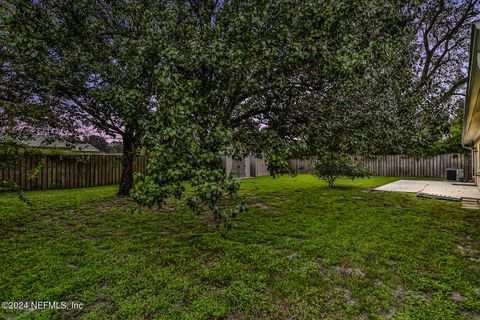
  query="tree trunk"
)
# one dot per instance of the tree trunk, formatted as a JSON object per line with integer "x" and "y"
{"x": 126, "y": 180}
{"x": 330, "y": 181}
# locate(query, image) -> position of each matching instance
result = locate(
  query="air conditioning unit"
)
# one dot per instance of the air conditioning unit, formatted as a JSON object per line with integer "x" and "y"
{"x": 454, "y": 174}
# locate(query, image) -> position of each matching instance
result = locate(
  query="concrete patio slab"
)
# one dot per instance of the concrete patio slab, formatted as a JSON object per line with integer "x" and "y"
{"x": 412, "y": 186}
{"x": 435, "y": 189}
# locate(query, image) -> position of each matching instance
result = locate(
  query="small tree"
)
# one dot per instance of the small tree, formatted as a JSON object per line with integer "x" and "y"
{"x": 331, "y": 166}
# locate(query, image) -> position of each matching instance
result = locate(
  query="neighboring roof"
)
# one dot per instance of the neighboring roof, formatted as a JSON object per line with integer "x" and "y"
{"x": 471, "y": 120}
{"x": 43, "y": 142}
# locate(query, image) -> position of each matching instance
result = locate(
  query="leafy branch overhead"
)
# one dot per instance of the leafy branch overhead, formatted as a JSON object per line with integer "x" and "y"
{"x": 443, "y": 35}
{"x": 186, "y": 81}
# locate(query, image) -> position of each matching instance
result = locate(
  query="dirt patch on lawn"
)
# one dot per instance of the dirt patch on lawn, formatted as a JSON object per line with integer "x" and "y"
{"x": 99, "y": 305}
{"x": 387, "y": 314}
{"x": 474, "y": 315}
{"x": 424, "y": 295}
{"x": 259, "y": 205}
{"x": 395, "y": 205}
{"x": 293, "y": 256}
{"x": 347, "y": 271}
{"x": 212, "y": 260}
{"x": 346, "y": 295}
{"x": 467, "y": 250}
{"x": 208, "y": 219}
{"x": 166, "y": 233}
{"x": 455, "y": 296}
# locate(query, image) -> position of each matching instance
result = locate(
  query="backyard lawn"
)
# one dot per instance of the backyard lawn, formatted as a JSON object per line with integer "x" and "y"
{"x": 302, "y": 251}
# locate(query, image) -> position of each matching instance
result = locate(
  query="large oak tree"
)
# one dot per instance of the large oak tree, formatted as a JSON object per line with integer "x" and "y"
{"x": 442, "y": 41}
{"x": 185, "y": 81}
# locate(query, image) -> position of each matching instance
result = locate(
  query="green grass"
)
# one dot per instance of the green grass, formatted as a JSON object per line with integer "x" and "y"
{"x": 302, "y": 251}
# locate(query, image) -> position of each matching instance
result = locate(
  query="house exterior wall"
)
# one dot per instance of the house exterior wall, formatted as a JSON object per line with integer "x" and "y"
{"x": 476, "y": 163}
{"x": 471, "y": 120}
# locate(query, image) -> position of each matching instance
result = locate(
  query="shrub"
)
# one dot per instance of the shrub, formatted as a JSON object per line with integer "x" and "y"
{"x": 331, "y": 166}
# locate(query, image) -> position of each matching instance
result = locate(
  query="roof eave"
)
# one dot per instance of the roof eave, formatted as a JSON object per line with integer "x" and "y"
{"x": 473, "y": 82}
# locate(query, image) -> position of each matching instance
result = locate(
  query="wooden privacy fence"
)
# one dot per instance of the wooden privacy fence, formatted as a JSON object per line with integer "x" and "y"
{"x": 302, "y": 166}
{"x": 403, "y": 166}
{"x": 431, "y": 167}
{"x": 63, "y": 172}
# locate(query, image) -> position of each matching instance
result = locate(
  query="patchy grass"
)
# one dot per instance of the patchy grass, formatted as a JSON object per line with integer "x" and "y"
{"x": 303, "y": 251}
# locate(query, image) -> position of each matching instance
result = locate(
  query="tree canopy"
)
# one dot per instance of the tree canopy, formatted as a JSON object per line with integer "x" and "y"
{"x": 186, "y": 81}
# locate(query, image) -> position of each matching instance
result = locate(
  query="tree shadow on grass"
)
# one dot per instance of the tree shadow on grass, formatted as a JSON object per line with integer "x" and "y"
{"x": 340, "y": 188}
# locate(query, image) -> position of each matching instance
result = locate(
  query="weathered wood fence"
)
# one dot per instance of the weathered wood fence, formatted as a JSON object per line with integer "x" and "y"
{"x": 63, "y": 172}
{"x": 302, "y": 166}
{"x": 60, "y": 172}
{"x": 431, "y": 167}
{"x": 404, "y": 166}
